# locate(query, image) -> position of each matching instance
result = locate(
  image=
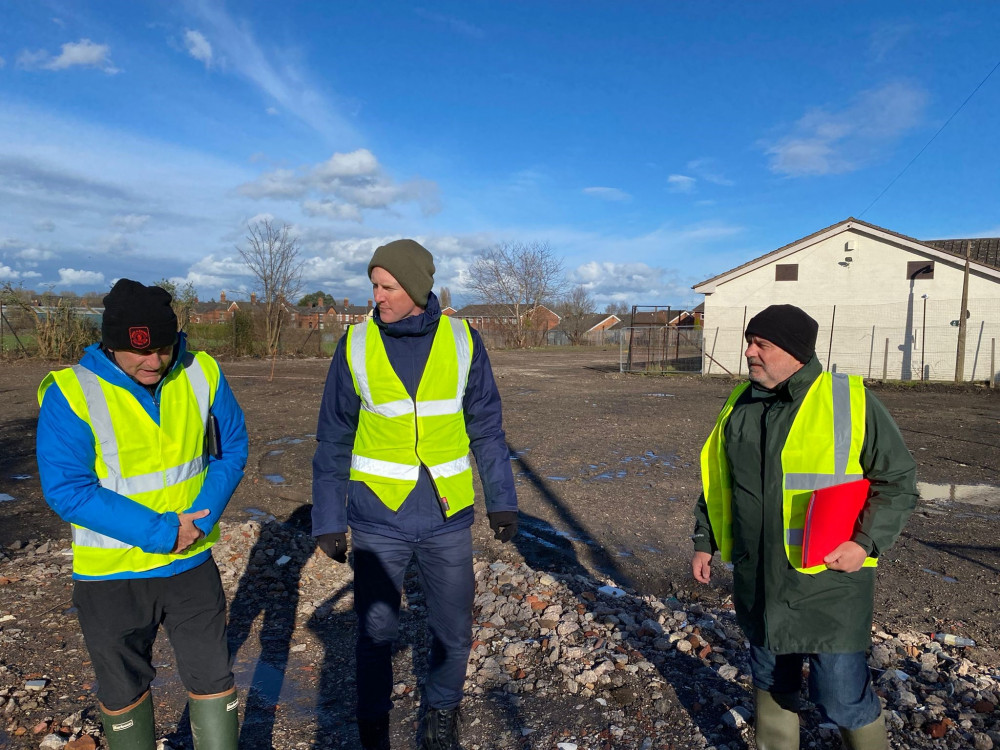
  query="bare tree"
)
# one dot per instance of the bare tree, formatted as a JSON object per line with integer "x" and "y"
{"x": 515, "y": 278}
{"x": 444, "y": 297}
{"x": 575, "y": 310}
{"x": 273, "y": 258}
{"x": 183, "y": 300}
{"x": 621, "y": 309}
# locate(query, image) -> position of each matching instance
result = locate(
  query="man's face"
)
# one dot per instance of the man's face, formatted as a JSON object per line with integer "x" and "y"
{"x": 392, "y": 300}
{"x": 147, "y": 366}
{"x": 768, "y": 363}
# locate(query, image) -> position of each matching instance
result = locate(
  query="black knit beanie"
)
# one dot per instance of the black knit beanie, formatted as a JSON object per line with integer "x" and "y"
{"x": 788, "y": 327}
{"x": 411, "y": 264}
{"x": 138, "y": 317}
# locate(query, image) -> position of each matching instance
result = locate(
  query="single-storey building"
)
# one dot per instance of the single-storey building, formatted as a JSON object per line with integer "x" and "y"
{"x": 887, "y": 304}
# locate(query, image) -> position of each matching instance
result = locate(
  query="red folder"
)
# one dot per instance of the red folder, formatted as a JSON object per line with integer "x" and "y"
{"x": 830, "y": 519}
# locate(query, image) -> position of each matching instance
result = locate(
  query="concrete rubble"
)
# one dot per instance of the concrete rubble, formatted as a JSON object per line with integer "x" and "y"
{"x": 582, "y": 663}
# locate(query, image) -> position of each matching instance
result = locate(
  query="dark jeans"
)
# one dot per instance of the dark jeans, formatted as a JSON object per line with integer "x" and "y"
{"x": 444, "y": 563}
{"x": 840, "y": 684}
{"x": 120, "y": 618}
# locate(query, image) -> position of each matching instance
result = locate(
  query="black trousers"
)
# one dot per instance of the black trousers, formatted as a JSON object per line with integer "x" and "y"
{"x": 120, "y": 619}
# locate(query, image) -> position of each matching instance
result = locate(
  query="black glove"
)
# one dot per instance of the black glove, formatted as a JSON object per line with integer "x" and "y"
{"x": 334, "y": 545}
{"x": 504, "y": 524}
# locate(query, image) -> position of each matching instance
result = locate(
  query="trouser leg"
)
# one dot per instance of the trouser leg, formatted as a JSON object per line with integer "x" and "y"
{"x": 445, "y": 565}
{"x": 777, "y": 681}
{"x": 194, "y": 606}
{"x": 379, "y": 566}
{"x": 841, "y": 685}
{"x": 119, "y": 620}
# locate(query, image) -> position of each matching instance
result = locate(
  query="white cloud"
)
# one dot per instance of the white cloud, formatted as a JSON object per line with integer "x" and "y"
{"x": 198, "y": 46}
{"x": 72, "y": 276}
{"x": 453, "y": 23}
{"x": 707, "y": 170}
{"x": 2, "y": 62}
{"x": 45, "y": 225}
{"x": 273, "y": 111}
{"x": 835, "y": 142}
{"x": 131, "y": 222}
{"x": 679, "y": 183}
{"x": 607, "y": 193}
{"x": 84, "y": 53}
{"x": 341, "y": 186}
{"x": 35, "y": 254}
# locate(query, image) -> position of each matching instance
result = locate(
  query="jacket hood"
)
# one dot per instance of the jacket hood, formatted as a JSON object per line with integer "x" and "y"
{"x": 415, "y": 325}
{"x": 98, "y": 362}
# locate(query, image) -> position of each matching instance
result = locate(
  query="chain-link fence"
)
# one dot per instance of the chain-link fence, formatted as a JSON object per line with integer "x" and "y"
{"x": 917, "y": 339}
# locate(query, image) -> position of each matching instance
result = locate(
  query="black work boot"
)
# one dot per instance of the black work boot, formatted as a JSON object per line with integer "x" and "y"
{"x": 374, "y": 733}
{"x": 441, "y": 728}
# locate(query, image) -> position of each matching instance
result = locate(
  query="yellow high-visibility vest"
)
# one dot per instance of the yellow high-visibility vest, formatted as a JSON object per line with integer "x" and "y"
{"x": 397, "y": 434}
{"x": 160, "y": 466}
{"x": 823, "y": 449}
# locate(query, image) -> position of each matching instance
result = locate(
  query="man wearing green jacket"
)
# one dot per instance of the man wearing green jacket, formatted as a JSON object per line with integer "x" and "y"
{"x": 791, "y": 430}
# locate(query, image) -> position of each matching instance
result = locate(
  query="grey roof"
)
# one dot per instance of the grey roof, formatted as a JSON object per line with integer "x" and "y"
{"x": 985, "y": 250}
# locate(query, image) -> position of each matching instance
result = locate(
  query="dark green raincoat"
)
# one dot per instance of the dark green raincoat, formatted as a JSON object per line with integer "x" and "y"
{"x": 779, "y": 608}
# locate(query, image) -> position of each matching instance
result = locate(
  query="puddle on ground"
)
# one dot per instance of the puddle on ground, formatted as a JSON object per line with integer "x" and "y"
{"x": 942, "y": 576}
{"x": 4, "y": 498}
{"x": 661, "y": 395}
{"x": 258, "y": 513}
{"x": 515, "y": 455}
{"x": 970, "y": 494}
{"x": 21, "y": 477}
{"x": 558, "y": 479}
{"x": 274, "y": 478}
{"x": 274, "y": 452}
{"x": 289, "y": 440}
{"x": 625, "y": 553}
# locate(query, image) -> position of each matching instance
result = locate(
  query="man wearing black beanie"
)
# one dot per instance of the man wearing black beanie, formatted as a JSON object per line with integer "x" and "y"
{"x": 140, "y": 446}
{"x": 791, "y": 430}
{"x": 410, "y": 392}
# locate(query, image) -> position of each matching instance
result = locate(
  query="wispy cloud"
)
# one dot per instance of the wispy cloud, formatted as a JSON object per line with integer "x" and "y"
{"x": 827, "y": 141}
{"x": 2, "y": 62}
{"x": 707, "y": 169}
{"x": 341, "y": 186}
{"x": 681, "y": 183}
{"x": 198, "y": 46}
{"x": 131, "y": 222}
{"x": 83, "y": 53}
{"x": 607, "y": 194}
{"x": 280, "y": 77}
{"x": 453, "y": 23}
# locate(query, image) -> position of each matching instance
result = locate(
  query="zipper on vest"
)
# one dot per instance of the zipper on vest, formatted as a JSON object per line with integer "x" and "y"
{"x": 442, "y": 502}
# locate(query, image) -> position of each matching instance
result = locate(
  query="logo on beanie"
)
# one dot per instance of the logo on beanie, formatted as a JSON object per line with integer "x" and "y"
{"x": 138, "y": 336}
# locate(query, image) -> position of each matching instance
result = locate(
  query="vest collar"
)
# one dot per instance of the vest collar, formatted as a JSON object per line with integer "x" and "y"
{"x": 416, "y": 325}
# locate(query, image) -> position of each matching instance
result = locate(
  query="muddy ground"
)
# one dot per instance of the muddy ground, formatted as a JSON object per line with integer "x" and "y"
{"x": 606, "y": 468}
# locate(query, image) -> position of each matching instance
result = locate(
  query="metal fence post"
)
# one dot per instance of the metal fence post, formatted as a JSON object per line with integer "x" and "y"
{"x": 871, "y": 354}
{"x": 829, "y": 351}
{"x": 885, "y": 361}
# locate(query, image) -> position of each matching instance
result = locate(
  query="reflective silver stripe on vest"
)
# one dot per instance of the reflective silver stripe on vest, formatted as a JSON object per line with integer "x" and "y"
{"x": 450, "y": 468}
{"x": 86, "y": 538}
{"x": 156, "y": 480}
{"x": 360, "y": 367}
{"x": 100, "y": 418}
{"x": 199, "y": 382}
{"x": 842, "y": 432}
{"x": 388, "y": 469}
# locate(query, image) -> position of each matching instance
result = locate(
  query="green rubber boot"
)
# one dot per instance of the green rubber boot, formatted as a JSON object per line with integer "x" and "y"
{"x": 777, "y": 720}
{"x": 130, "y": 728}
{"x": 215, "y": 720}
{"x": 869, "y": 737}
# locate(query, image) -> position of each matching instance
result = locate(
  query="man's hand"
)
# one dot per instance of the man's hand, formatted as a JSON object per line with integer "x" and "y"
{"x": 504, "y": 524}
{"x": 334, "y": 545}
{"x": 847, "y": 558}
{"x": 187, "y": 532}
{"x": 701, "y": 567}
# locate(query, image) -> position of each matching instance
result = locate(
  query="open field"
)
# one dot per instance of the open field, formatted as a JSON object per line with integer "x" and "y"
{"x": 606, "y": 468}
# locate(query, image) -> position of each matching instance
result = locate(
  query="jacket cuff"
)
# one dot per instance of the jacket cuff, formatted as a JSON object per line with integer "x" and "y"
{"x": 866, "y": 543}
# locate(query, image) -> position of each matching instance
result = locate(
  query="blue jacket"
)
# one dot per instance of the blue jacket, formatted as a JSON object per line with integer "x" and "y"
{"x": 65, "y": 452}
{"x": 339, "y": 502}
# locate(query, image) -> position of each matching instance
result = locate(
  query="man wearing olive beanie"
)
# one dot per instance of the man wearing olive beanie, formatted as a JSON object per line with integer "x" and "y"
{"x": 140, "y": 446}
{"x": 791, "y": 430}
{"x": 409, "y": 393}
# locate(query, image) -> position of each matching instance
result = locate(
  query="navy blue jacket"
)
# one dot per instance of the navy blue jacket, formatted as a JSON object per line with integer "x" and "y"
{"x": 339, "y": 502}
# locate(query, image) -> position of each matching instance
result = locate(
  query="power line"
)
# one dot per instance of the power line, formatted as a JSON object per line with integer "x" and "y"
{"x": 961, "y": 106}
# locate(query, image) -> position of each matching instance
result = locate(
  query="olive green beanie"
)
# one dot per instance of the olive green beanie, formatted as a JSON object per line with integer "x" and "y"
{"x": 410, "y": 263}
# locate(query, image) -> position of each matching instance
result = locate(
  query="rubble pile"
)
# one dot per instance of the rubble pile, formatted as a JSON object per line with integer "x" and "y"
{"x": 578, "y": 663}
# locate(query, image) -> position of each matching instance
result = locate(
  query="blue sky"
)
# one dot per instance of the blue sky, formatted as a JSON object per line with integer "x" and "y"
{"x": 652, "y": 145}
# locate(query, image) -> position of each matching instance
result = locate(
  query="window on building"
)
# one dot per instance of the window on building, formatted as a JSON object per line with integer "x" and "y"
{"x": 786, "y": 272}
{"x": 920, "y": 269}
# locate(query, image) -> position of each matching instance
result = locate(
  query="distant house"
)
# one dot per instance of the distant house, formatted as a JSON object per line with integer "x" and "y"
{"x": 885, "y": 302}
{"x": 589, "y": 329}
{"x": 449, "y": 310}
{"x": 348, "y": 314}
{"x": 500, "y": 317}
{"x": 216, "y": 312}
